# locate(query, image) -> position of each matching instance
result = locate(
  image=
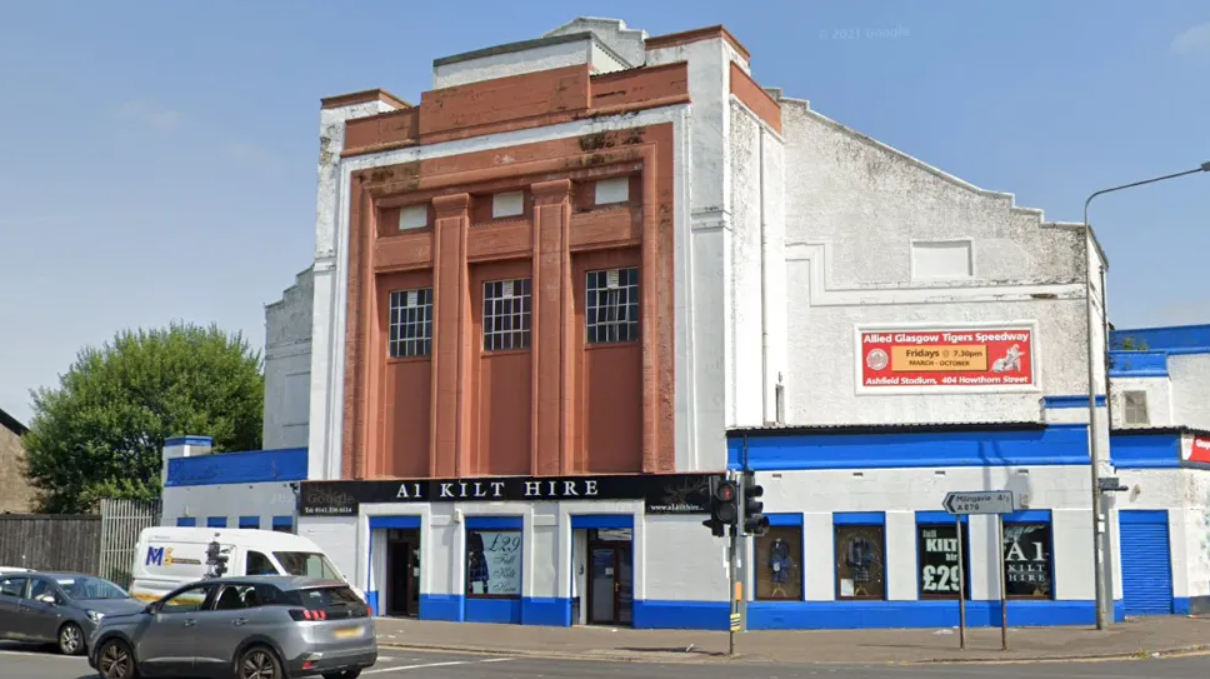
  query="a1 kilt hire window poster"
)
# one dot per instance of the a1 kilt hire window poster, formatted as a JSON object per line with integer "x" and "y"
{"x": 999, "y": 357}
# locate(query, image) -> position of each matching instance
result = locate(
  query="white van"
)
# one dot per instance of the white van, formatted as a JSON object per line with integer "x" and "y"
{"x": 168, "y": 557}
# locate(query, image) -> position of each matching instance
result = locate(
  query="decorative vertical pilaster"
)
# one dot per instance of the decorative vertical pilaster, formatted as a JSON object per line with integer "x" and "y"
{"x": 553, "y": 330}
{"x": 449, "y": 453}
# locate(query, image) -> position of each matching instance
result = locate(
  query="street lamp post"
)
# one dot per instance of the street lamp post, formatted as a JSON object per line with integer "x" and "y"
{"x": 1098, "y": 544}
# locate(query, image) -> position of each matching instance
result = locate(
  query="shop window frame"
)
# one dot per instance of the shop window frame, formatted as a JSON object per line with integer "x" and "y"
{"x": 494, "y": 524}
{"x": 794, "y": 521}
{"x": 1031, "y": 518}
{"x": 935, "y": 520}
{"x": 844, "y": 520}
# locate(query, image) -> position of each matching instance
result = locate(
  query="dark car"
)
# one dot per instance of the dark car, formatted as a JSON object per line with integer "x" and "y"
{"x": 254, "y": 627}
{"x": 60, "y": 608}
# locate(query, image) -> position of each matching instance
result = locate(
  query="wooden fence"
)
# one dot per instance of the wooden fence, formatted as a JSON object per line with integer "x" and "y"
{"x": 51, "y": 542}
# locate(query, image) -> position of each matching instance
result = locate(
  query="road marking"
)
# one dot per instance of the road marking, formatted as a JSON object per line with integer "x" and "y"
{"x": 434, "y": 664}
{"x": 42, "y": 655}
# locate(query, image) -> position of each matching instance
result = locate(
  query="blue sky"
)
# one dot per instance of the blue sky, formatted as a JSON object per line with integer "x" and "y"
{"x": 157, "y": 160}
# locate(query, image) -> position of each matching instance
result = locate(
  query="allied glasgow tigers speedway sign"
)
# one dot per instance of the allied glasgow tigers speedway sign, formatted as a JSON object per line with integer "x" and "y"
{"x": 950, "y": 358}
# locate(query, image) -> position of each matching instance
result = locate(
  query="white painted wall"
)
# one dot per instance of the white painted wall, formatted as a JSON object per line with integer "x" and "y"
{"x": 1190, "y": 375}
{"x": 532, "y": 60}
{"x": 288, "y": 366}
{"x": 629, "y": 43}
{"x": 1159, "y": 401}
{"x": 265, "y": 500}
{"x": 854, "y": 208}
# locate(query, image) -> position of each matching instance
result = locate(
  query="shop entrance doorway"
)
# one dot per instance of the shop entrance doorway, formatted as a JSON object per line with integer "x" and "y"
{"x": 610, "y": 577}
{"x": 403, "y": 572}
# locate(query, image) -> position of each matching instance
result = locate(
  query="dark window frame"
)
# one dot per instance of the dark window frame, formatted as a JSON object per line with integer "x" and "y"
{"x": 796, "y": 557}
{"x": 921, "y": 594}
{"x": 1050, "y": 560}
{"x": 836, "y": 547}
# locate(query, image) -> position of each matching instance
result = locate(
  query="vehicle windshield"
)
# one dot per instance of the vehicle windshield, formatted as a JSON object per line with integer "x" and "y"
{"x": 85, "y": 588}
{"x": 307, "y": 564}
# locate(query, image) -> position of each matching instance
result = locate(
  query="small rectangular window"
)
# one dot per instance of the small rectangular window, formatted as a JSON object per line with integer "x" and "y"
{"x": 249, "y": 522}
{"x": 1027, "y": 560}
{"x": 411, "y": 323}
{"x": 778, "y": 564}
{"x": 860, "y": 562}
{"x": 506, "y": 314}
{"x": 1136, "y": 407}
{"x": 612, "y": 190}
{"x": 413, "y": 217}
{"x": 510, "y": 204}
{"x": 216, "y": 522}
{"x": 611, "y": 312}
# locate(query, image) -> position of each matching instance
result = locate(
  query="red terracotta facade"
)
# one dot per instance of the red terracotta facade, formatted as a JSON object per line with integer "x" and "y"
{"x": 560, "y": 405}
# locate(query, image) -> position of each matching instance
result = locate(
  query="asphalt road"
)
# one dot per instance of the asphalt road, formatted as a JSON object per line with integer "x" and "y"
{"x": 23, "y": 662}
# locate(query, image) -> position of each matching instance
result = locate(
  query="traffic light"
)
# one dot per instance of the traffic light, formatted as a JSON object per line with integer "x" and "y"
{"x": 723, "y": 511}
{"x": 216, "y": 559}
{"x": 755, "y": 523}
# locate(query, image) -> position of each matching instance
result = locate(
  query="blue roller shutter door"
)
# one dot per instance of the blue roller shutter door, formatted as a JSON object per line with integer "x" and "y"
{"x": 1146, "y": 562}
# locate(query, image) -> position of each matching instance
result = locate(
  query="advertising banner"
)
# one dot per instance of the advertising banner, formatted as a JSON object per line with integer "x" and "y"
{"x": 1199, "y": 451}
{"x": 956, "y": 358}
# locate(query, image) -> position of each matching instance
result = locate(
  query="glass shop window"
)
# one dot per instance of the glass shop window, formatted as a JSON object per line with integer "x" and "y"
{"x": 493, "y": 563}
{"x": 937, "y": 550}
{"x": 779, "y": 564}
{"x": 860, "y": 562}
{"x": 1028, "y": 565}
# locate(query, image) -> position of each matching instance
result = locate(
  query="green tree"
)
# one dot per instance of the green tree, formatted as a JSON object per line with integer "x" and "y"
{"x": 100, "y": 433}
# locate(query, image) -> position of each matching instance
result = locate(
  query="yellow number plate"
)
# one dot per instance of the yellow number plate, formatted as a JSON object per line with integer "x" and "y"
{"x": 348, "y": 632}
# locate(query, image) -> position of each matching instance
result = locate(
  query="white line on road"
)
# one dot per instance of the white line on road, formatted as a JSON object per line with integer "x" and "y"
{"x": 42, "y": 655}
{"x": 434, "y": 664}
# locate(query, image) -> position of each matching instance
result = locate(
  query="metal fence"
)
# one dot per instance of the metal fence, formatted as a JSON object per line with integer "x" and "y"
{"x": 121, "y": 523}
{"x": 51, "y": 542}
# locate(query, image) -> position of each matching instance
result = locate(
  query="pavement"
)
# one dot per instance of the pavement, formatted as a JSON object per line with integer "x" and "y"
{"x": 17, "y": 662}
{"x": 1134, "y": 638}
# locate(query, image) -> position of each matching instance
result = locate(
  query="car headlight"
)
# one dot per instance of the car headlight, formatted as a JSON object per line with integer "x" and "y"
{"x": 94, "y": 616}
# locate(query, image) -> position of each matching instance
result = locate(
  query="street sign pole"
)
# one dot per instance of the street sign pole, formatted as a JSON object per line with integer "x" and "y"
{"x": 998, "y": 502}
{"x": 731, "y": 580}
{"x": 961, "y": 587}
{"x": 1003, "y": 584}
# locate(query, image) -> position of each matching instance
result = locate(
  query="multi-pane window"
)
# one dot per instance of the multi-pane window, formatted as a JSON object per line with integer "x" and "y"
{"x": 1136, "y": 407}
{"x": 506, "y": 314}
{"x": 612, "y": 305}
{"x": 411, "y": 323}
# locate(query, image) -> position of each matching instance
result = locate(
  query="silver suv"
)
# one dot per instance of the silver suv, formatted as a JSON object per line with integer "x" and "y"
{"x": 263, "y": 627}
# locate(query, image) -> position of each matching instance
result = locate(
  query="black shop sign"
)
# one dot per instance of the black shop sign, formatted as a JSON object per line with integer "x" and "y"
{"x": 661, "y": 493}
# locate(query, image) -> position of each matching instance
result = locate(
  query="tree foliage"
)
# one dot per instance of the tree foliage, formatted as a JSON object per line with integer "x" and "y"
{"x": 100, "y": 433}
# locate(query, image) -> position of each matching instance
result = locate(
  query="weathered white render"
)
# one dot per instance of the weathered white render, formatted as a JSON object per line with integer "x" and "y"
{"x": 788, "y": 244}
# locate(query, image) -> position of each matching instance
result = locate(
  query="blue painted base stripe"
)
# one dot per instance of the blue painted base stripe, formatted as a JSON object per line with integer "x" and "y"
{"x": 448, "y": 607}
{"x": 372, "y": 602}
{"x": 504, "y": 611}
{"x": 713, "y": 615}
{"x": 548, "y": 611}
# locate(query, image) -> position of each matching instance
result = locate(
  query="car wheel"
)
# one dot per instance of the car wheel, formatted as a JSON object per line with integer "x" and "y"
{"x": 258, "y": 662}
{"x": 71, "y": 639}
{"x": 115, "y": 661}
{"x": 347, "y": 674}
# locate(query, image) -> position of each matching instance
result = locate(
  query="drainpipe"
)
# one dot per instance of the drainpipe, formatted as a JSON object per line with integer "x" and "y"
{"x": 764, "y": 295}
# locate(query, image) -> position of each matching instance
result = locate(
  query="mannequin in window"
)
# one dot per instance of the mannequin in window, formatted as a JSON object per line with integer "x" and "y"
{"x": 859, "y": 557}
{"x": 781, "y": 563}
{"x": 476, "y": 570}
